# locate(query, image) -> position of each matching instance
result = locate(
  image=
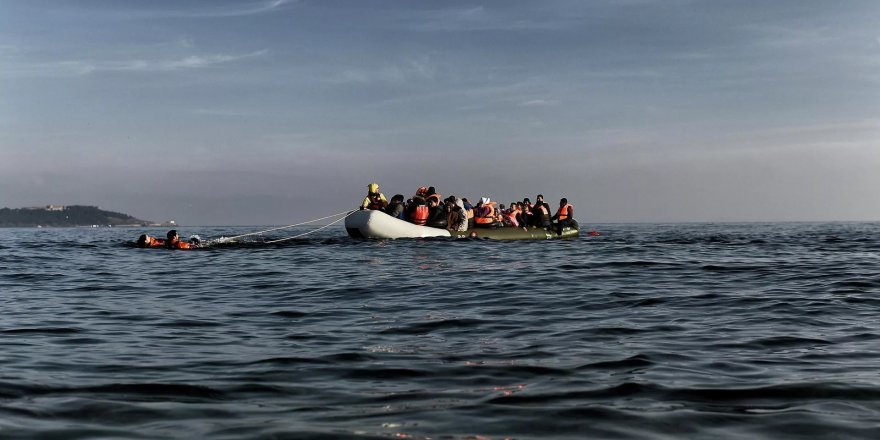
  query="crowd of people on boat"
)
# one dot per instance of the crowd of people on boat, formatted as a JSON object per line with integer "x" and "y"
{"x": 428, "y": 208}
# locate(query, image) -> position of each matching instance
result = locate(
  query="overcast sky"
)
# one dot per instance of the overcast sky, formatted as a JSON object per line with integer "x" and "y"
{"x": 271, "y": 112}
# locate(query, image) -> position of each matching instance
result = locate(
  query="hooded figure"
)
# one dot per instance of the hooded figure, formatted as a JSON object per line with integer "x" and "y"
{"x": 457, "y": 218}
{"x": 374, "y": 199}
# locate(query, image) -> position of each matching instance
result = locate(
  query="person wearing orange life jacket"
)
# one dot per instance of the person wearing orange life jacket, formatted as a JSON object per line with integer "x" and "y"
{"x": 419, "y": 214}
{"x": 374, "y": 199}
{"x": 564, "y": 216}
{"x": 173, "y": 241}
{"x": 512, "y": 216}
{"x": 433, "y": 194}
{"x": 521, "y": 216}
{"x": 145, "y": 241}
{"x": 485, "y": 214}
{"x": 417, "y": 211}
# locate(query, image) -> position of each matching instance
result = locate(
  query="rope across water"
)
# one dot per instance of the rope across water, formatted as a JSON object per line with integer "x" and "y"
{"x": 314, "y": 230}
{"x": 228, "y": 239}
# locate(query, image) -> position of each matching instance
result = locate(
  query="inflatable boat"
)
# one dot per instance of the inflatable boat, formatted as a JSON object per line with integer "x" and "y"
{"x": 376, "y": 224}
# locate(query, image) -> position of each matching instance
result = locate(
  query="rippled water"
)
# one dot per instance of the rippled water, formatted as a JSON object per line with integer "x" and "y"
{"x": 647, "y": 331}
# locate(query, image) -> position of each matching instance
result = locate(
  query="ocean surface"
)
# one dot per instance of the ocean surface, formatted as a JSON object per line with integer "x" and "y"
{"x": 649, "y": 331}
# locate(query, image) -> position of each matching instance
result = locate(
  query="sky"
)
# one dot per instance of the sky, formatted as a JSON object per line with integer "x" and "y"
{"x": 262, "y": 112}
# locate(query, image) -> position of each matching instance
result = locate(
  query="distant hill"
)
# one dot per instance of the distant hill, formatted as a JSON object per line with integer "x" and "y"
{"x": 62, "y": 216}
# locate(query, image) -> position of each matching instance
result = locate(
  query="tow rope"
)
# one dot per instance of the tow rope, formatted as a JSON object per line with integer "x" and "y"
{"x": 229, "y": 239}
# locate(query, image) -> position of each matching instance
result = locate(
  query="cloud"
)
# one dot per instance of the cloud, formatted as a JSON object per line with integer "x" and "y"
{"x": 86, "y": 67}
{"x": 483, "y": 19}
{"x": 237, "y": 9}
{"x": 826, "y": 135}
{"x": 415, "y": 70}
{"x": 779, "y": 36}
{"x": 539, "y": 103}
{"x": 192, "y": 62}
{"x": 258, "y": 9}
{"x": 221, "y": 112}
{"x": 8, "y": 49}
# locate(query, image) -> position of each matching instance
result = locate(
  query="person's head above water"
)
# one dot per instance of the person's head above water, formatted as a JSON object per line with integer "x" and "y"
{"x": 142, "y": 240}
{"x": 172, "y": 235}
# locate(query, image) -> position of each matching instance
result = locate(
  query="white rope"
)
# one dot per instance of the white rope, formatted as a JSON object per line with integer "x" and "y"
{"x": 314, "y": 230}
{"x": 228, "y": 239}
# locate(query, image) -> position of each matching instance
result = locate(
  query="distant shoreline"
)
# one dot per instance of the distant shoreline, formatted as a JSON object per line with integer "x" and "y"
{"x": 88, "y": 226}
{"x": 73, "y": 216}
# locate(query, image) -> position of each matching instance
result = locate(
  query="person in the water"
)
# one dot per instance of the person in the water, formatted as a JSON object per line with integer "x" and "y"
{"x": 173, "y": 241}
{"x": 145, "y": 241}
{"x": 374, "y": 199}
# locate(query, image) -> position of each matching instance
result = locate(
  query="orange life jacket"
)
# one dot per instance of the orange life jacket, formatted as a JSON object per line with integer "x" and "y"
{"x": 562, "y": 213}
{"x": 488, "y": 218}
{"x": 543, "y": 209}
{"x": 179, "y": 245}
{"x": 375, "y": 201}
{"x": 154, "y": 242}
{"x": 419, "y": 215}
{"x": 511, "y": 217}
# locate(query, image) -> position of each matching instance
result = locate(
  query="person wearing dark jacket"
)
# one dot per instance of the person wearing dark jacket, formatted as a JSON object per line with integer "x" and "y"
{"x": 436, "y": 214}
{"x": 395, "y": 208}
{"x": 540, "y": 213}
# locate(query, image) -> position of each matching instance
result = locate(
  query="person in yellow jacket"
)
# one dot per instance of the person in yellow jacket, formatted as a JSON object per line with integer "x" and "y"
{"x": 374, "y": 199}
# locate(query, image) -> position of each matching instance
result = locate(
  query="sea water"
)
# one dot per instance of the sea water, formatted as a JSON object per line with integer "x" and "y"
{"x": 659, "y": 331}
